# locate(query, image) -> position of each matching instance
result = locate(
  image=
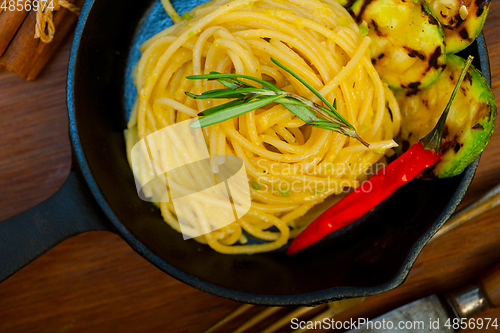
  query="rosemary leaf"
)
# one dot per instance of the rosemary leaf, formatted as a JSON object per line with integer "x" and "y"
{"x": 211, "y": 92}
{"x": 324, "y": 124}
{"x": 258, "y": 91}
{"x": 232, "y": 83}
{"x": 326, "y": 113}
{"x": 299, "y": 109}
{"x": 319, "y": 110}
{"x": 314, "y": 91}
{"x": 329, "y": 111}
{"x": 221, "y": 107}
{"x": 249, "y": 98}
{"x": 221, "y": 93}
{"x": 215, "y": 76}
{"x": 433, "y": 140}
{"x": 229, "y": 93}
{"x": 233, "y": 112}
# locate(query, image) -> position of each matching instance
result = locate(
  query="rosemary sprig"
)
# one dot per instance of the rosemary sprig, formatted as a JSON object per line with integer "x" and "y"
{"x": 433, "y": 140}
{"x": 248, "y": 98}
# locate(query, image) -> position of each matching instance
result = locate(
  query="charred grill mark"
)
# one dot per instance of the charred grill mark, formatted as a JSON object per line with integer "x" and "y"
{"x": 377, "y": 30}
{"x": 464, "y": 34}
{"x": 433, "y": 61}
{"x": 428, "y": 13}
{"x": 446, "y": 131}
{"x": 414, "y": 85}
{"x": 457, "y": 148}
{"x": 414, "y": 53}
{"x": 362, "y": 10}
{"x": 381, "y": 56}
{"x": 454, "y": 22}
{"x": 459, "y": 21}
{"x": 350, "y": 3}
{"x": 480, "y": 8}
{"x": 481, "y": 4}
{"x": 468, "y": 77}
{"x": 449, "y": 144}
{"x": 478, "y": 126}
{"x": 432, "y": 20}
{"x": 412, "y": 92}
{"x": 446, "y": 146}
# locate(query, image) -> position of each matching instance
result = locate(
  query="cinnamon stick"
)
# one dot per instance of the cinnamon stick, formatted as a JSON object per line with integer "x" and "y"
{"x": 26, "y": 55}
{"x": 10, "y": 21}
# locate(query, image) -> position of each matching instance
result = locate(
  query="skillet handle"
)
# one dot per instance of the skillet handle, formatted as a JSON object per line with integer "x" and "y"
{"x": 72, "y": 210}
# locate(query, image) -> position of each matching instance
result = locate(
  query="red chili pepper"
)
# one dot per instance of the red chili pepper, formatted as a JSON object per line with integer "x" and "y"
{"x": 372, "y": 192}
{"x": 383, "y": 184}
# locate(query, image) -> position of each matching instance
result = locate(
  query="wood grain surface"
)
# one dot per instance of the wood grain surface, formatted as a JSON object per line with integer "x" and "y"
{"x": 95, "y": 283}
{"x": 489, "y": 283}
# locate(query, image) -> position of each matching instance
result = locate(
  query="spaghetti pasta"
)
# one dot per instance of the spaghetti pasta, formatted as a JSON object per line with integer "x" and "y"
{"x": 291, "y": 166}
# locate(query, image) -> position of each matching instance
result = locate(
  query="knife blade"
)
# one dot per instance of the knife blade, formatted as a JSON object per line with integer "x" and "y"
{"x": 424, "y": 315}
{"x": 440, "y": 314}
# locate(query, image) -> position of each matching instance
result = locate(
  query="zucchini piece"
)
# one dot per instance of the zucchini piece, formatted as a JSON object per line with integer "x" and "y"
{"x": 407, "y": 47}
{"x": 469, "y": 124}
{"x": 345, "y": 3}
{"x": 462, "y": 20}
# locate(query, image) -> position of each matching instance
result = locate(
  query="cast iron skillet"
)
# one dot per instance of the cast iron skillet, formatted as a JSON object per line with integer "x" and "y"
{"x": 373, "y": 256}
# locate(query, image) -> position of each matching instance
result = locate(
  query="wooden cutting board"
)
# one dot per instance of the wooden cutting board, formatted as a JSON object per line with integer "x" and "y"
{"x": 96, "y": 283}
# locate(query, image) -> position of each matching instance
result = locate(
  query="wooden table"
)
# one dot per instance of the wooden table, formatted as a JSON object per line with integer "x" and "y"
{"x": 95, "y": 282}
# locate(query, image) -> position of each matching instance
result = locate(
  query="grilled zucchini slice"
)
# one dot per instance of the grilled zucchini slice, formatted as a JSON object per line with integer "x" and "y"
{"x": 469, "y": 124}
{"x": 345, "y": 3}
{"x": 407, "y": 47}
{"x": 462, "y": 20}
